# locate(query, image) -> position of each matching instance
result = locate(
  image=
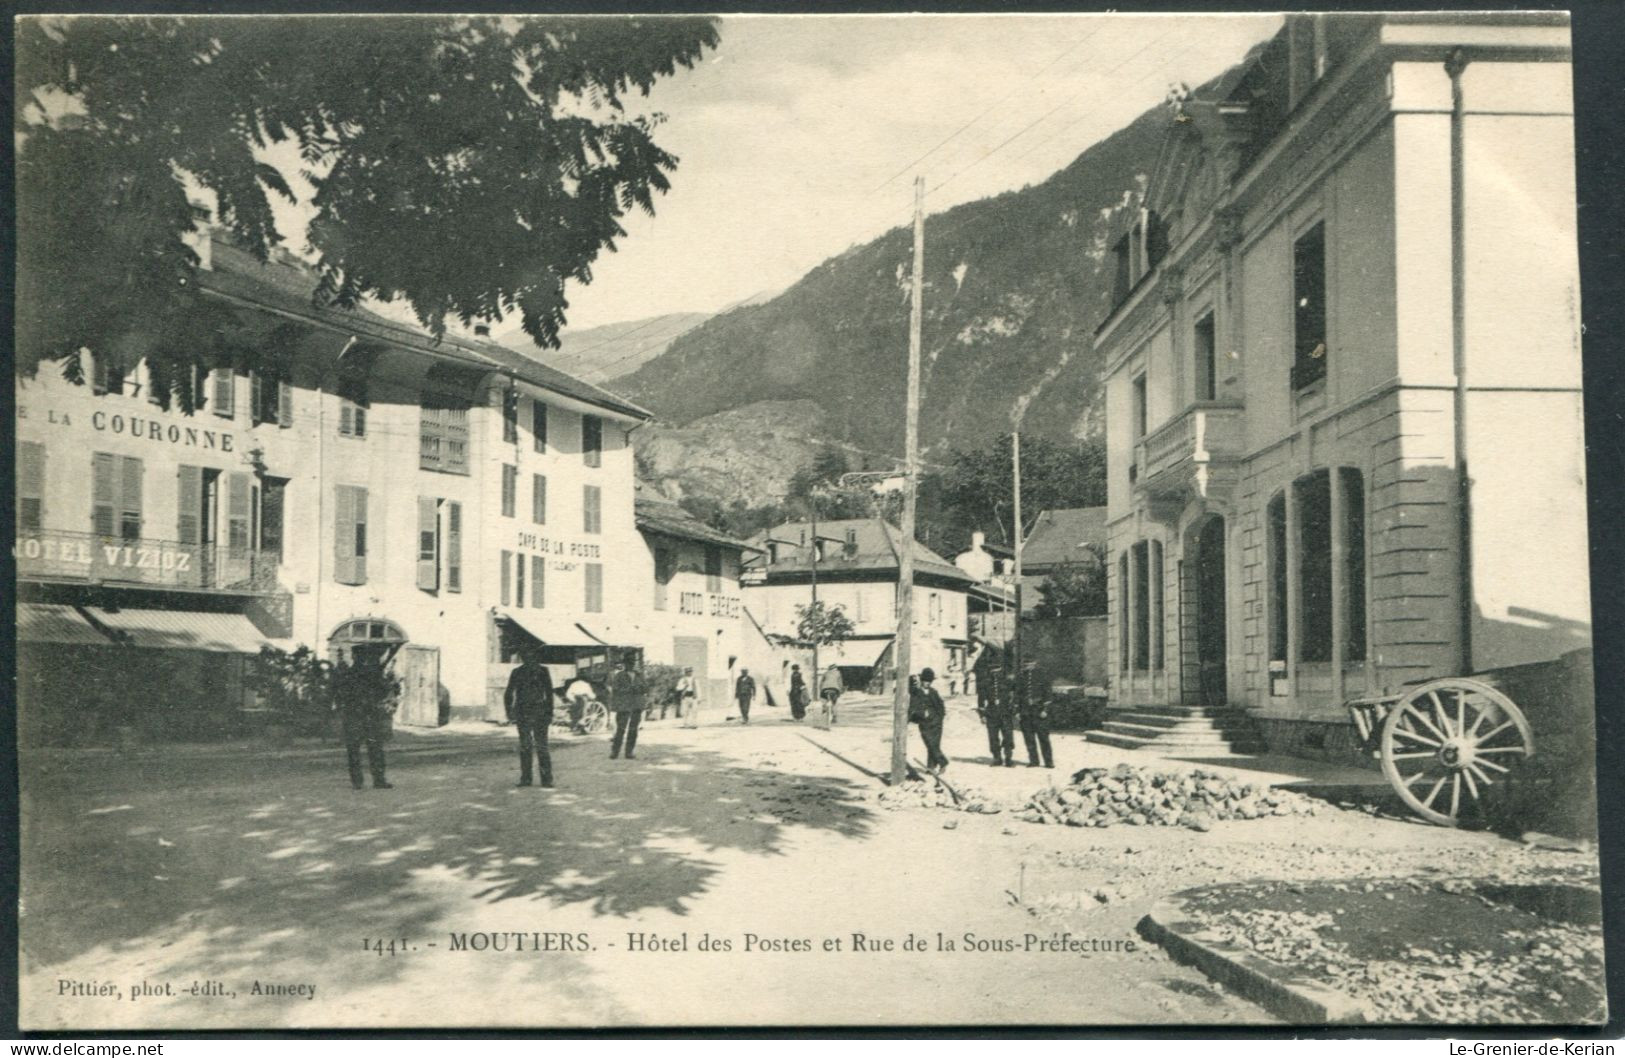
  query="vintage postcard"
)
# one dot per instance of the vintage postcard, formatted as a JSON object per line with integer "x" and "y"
{"x": 639, "y": 522}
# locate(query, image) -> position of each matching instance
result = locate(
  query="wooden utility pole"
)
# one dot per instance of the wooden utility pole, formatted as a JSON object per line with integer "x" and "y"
{"x": 902, "y": 645}
{"x": 1015, "y": 470}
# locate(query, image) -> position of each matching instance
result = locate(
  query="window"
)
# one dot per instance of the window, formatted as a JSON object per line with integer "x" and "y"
{"x": 1154, "y": 604}
{"x": 1353, "y": 484}
{"x": 223, "y": 392}
{"x": 454, "y": 546}
{"x": 428, "y": 543}
{"x": 519, "y": 580}
{"x": 934, "y": 609}
{"x": 1142, "y": 409}
{"x": 538, "y": 425}
{"x": 510, "y": 416}
{"x": 594, "y": 602}
{"x": 538, "y": 573}
{"x": 592, "y": 512}
{"x": 592, "y": 440}
{"x": 353, "y": 407}
{"x": 1205, "y": 348}
{"x": 1309, "y": 307}
{"x": 1142, "y": 607}
{"x": 510, "y": 489}
{"x": 115, "y": 511}
{"x": 538, "y": 498}
{"x": 1123, "y": 656}
{"x": 195, "y": 489}
{"x": 271, "y": 398}
{"x": 713, "y": 570}
{"x": 106, "y": 376}
{"x": 349, "y": 534}
{"x": 30, "y": 487}
{"x": 850, "y": 547}
{"x": 443, "y": 426}
{"x": 507, "y": 561}
{"x": 1314, "y": 543}
{"x": 273, "y": 501}
{"x": 665, "y": 569}
{"x": 1275, "y": 516}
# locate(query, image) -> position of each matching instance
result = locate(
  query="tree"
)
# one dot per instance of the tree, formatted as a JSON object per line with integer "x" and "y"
{"x": 819, "y": 624}
{"x": 1076, "y": 589}
{"x": 976, "y": 489}
{"x": 470, "y": 166}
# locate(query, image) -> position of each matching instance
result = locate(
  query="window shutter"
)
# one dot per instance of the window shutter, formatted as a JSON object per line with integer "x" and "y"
{"x": 102, "y": 489}
{"x": 538, "y": 499}
{"x": 538, "y": 425}
{"x": 431, "y": 434}
{"x": 349, "y": 534}
{"x": 225, "y": 392}
{"x": 361, "y": 541}
{"x": 189, "y": 505}
{"x": 454, "y": 546}
{"x": 31, "y": 486}
{"x": 237, "y": 512}
{"x": 538, "y": 574}
{"x": 272, "y": 498}
{"x": 346, "y": 417}
{"x": 256, "y": 397}
{"x": 592, "y": 516}
{"x": 130, "y": 498}
{"x": 359, "y": 419}
{"x": 519, "y": 580}
{"x": 510, "y": 488}
{"x": 506, "y": 557}
{"x": 284, "y": 403}
{"x": 595, "y": 588}
{"x": 456, "y": 458}
{"x": 592, "y": 440}
{"x": 428, "y": 543}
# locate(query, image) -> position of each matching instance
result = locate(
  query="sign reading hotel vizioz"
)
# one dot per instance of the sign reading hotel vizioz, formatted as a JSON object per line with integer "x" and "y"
{"x": 144, "y": 428}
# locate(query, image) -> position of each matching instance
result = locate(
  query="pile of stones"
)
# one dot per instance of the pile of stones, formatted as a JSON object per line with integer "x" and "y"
{"x": 927, "y": 793}
{"x": 1098, "y": 797}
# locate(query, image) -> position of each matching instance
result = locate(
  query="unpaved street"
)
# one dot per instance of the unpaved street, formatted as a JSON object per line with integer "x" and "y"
{"x": 228, "y": 868}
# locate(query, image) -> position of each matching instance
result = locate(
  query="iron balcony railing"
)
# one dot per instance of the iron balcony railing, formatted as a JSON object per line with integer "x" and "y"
{"x": 54, "y": 554}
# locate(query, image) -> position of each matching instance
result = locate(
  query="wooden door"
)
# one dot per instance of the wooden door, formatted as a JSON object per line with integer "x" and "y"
{"x": 418, "y": 669}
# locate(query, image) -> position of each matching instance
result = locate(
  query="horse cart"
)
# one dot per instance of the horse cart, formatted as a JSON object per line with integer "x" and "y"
{"x": 1443, "y": 743}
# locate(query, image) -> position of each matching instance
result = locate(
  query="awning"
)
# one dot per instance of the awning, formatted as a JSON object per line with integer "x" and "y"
{"x": 554, "y": 630}
{"x": 853, "y": 653}
{"x": 230, "y": 633}
{"x": 39, "y": 622}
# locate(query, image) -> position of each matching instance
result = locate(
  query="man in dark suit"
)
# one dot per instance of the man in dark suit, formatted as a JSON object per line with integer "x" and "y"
{"x": 934, "y": 712}
{"x": 529, "y": 704}
{"x": 993, "y": 704}
{"x": 744, "y": 692}
{"x": 366, "y": 695}
{"x": 1032, "y": 698}
{"x": 627, "y": 700}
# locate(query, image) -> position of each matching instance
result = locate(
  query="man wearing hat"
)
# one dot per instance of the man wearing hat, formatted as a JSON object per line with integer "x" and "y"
{"x": 934, "y": 712}
{"x": 529, "y": 702}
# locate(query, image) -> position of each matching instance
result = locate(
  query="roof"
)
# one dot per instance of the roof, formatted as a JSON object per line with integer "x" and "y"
{"x": 656, "y": 514}
{"x": 287, "y": 285}
{"x": 1056, "y": 538}
{"x": 876, "y": 546}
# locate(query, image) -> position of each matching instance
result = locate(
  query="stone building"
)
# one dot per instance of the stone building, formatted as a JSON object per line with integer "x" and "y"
{"x": 1343, "y": 375}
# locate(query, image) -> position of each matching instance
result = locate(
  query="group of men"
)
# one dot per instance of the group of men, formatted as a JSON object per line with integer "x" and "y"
{"x": 529, "y": 704}
{"x": 1008, "y": 696}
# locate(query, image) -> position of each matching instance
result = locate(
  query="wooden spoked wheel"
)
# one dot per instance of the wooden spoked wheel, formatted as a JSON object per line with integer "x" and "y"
{"x": 594, "y": 718}
{"x": 1444, "y": 742}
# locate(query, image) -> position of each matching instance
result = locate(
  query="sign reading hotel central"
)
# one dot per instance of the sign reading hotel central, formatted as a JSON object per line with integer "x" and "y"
{"x": 142, "y": 427}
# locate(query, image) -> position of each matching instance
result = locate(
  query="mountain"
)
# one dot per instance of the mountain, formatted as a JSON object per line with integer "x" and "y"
{"x": 1014, "y": 288}
{"x": 596, "y": 354}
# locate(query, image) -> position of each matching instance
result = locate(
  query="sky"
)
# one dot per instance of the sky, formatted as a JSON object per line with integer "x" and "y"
{"x": 800, "y": 136}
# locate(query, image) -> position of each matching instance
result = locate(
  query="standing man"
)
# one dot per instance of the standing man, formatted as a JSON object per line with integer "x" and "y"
{"x": 1032, "y": 698}
{"x": 682, "y": 695}
{"x": 993, "y": 705}
{"x": 529, "y": 703}
{"x": 626, "y": 698}
{"x": 744, "y": 694}
{"x": 830, "y": 691}
{"x": 688, "y": 691}
{"x": 933, "y": 712}
{"x": 365, "y": 694}
{"x": 798, "y": 693}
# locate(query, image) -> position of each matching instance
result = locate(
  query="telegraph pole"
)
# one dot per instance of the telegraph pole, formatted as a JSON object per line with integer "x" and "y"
{"x": 812, "y": 495}
{"x": 902, "y": 645}
{"x": 1015, "y": 470}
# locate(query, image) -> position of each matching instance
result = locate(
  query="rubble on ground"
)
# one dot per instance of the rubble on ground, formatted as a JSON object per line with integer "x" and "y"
{"x": 933, "y": 794}
{"x": 1140, "y": 796}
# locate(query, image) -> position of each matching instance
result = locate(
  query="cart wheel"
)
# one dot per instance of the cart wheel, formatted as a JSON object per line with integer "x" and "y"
{"x": 1448, "y": 738}
{"x": 594, "y": 718}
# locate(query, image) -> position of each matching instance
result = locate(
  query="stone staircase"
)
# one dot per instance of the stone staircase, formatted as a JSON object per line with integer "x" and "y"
{"x": 1181, "y": 730}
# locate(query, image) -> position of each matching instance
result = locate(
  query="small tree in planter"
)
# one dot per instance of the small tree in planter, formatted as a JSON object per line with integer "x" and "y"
{"x": 818, "y": 625}
{"x": 296, "y": 686}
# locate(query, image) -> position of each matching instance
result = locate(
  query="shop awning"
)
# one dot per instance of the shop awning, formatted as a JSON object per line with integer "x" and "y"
{"x": 39, "y": 622}
{"x": 853, "y": 653}
{"x": 553, "y": 630}
{"x": 230, "y": 633}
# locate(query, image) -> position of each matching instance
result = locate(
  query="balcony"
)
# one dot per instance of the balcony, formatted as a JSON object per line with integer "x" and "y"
{"x": 54, "y": 555}
{"x": 1192, "y": 454}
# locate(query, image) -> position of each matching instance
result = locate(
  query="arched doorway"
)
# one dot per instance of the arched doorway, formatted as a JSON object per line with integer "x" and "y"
{"x": 417, "y": 667}
{"x": 368, "y": 638}
{"x": 1211, "y": 644}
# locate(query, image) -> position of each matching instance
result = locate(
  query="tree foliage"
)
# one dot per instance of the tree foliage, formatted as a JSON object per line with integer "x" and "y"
{"x": 1077, "y": 589}
{"x": 820, "y": 624}
{"x": 976, "y": 489}
{"x": 469, "y": 166}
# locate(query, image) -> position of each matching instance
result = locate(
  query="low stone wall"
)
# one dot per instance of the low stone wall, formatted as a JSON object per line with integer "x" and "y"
{"x": 1337, "y": 743}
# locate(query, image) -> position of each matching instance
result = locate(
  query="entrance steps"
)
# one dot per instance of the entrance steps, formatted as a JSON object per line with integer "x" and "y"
{"x": 1181, "y": 730}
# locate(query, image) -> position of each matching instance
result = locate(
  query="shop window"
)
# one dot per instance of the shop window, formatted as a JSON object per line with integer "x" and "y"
{"x": 538, "y": 499}
{"x": 665, "y": 570}
{"x": 30, "y": 487}
{"x": 1204, "y": 345}
{"x": 538, "y": 425}
{"x": 592, "y": 509}
{"x": 116, "y": 496}
{"x": 350, "y": 534}
{"x": 594, "y": 580}
{"x": 713, "y": 569}
{"x": 538, "y": 581}
{"x": 510, "y": 489}
{"x": 1309, "y": 307}
{"x": 1275, "y": 538}
{"x": 592, "y": 440}
{"x": 454, "y": 546}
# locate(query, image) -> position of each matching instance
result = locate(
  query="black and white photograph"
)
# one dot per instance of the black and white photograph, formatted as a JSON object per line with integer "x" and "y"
{"x": 823, "y": 520}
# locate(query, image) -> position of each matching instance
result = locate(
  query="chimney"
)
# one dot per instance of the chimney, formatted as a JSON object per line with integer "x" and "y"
{"x": 482, "y": 330}
{"x": 977, "y": 539}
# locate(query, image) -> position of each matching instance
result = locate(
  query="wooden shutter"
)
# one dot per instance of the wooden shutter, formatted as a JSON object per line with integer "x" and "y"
{"x": 104, "y": 489}
{"x": 130, "y": 498}
{"x": 454, "y": 546}
{"x": 538, "y": 575}
{"x": 225, "y": 392}
{"x": 272, "y": 498}
{"x": 237, "y": 509}
{"x": 538, "y": 425}
{"x": 595, "y": 588}
{"x": 506, "y": 558}
{"x": 592, "y": 519}
{"x": 456, "y": 457}
{"x": 510, "y": 489}
{"x": 431, "y": 435}
{"x": 350, "y": 534}
{"x": 189, "y": 504}
{"x": 284, "y": 403}
{"x": 428, "y": 543}
{"x": 519, "y": 580}
{"x": 362, "y": 542}
{"x": 30, "y": 486}
{"x": 538, "y": 498}
{"x": 592, "y": 440}
{"x": 346, "y": 417}
{"x": 256, "y": 397}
